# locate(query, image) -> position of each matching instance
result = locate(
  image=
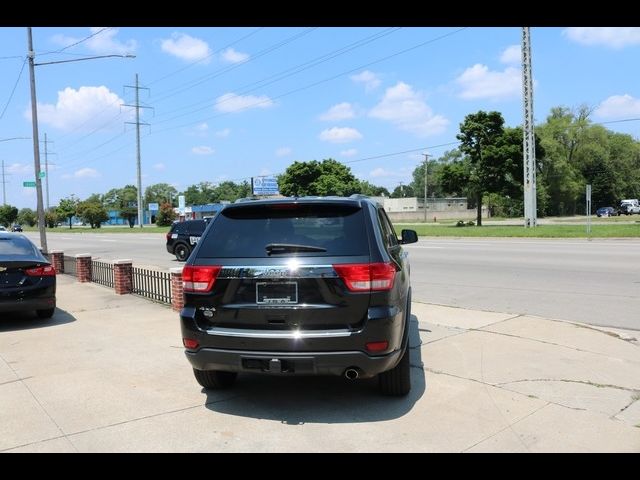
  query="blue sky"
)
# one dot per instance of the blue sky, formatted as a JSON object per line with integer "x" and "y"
{"x": 230, "y": 103}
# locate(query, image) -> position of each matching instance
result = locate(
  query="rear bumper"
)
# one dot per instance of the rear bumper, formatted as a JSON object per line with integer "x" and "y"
{"x": 287, "y": 363}
{"x": 20, "y": 305}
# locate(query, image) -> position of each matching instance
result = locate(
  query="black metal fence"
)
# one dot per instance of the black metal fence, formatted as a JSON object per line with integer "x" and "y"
{"x": 152, "y": 284}
{"x": 70, "y": 265}
{"x": 102, "y": 273}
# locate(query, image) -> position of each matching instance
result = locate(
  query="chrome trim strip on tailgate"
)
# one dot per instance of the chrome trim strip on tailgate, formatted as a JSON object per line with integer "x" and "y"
{"x": 246, "y": 333}
{"x": 290, "y": 271}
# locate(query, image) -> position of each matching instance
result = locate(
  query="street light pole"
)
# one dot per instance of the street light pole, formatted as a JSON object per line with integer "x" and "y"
{"x": 426, "y": 166}
{"x": 36, "y": 145}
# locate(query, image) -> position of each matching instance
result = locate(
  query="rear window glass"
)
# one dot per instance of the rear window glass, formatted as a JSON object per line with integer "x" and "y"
{"x": 246, "y": 231}
{"x": 17, "y": 246}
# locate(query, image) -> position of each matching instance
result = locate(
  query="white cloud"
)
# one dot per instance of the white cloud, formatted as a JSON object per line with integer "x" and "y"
{"x": 350, "y": 152}
{"x": 619, "y": 106}
{"x": 406, "y": 108}
{"x": 159, "y": 166}
{"x": 370, "y": 80}
{"x": 203, "y": 150}
{"x": 340, "y": 135}
{"x": 283, "y": 151}
{"x": 20, "y": 169}
{"x": 86, "y": 173}
{"x": 103, "y": 43}
{"x": 232, "y": 56}
{"x": 512, "y": 54}
{"x": 225, "y": 132}
{"x": 480, "y": 82}
{"x": 186, "y": 47}
{"x": 613, "y": 37}
{"x": 230, "y": 102}
{"x": 85, "y": 108}
{"x": 341, "y": 111}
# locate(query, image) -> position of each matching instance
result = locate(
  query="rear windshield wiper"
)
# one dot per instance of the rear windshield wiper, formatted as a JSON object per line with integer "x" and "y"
{"x": 275, "y": 248}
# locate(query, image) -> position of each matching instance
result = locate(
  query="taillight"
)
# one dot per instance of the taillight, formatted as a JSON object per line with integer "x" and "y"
{"x": 46, "y": 271}
{"x": 168, "y": 235}
{"x": 364, "y": 277}
{"x": 190, "y": 343}
{"x": 199, "y": 278}
{"x": 377, "y": 346}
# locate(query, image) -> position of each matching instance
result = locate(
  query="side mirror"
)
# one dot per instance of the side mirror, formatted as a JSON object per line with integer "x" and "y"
{"x": 409, "y": 236}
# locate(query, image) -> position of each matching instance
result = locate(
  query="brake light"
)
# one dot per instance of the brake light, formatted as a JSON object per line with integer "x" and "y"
{"x": 377, "y": 346}
{"x": 168, "y": 235}
{"x": 365, "y": 277}
{"x": 199, "y": 278}
{"x": 46, "y": 271}
{"x": 190, "y": 343}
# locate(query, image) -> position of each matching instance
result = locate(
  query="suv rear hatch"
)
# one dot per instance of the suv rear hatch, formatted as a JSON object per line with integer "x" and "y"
{"x": 273, "y": 266}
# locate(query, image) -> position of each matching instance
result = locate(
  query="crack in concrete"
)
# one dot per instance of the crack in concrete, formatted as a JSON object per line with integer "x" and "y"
{"x": 577, "y": 349}
{"x": 510, "y": 427}
{"x": 21, "y": 380}
{"x": 16, "y": 380}
{"x": 566, "y": 380}
{"x": 634, "y": 398}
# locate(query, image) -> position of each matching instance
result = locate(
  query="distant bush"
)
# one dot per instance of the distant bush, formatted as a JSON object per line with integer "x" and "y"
{"x": 471, "y": 223}
{"x": 460, "y": 223}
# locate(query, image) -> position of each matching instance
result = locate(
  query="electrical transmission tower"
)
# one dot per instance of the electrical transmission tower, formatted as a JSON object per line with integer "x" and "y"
{"x": 137, "y": 123}
{"x": 528, "y": 142}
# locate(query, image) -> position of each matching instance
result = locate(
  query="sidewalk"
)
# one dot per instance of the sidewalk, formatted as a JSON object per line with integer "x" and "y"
{"x": 108, "y": 374}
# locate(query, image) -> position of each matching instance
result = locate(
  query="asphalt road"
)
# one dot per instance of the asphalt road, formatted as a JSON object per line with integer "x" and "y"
{"x": 596, "y": 282}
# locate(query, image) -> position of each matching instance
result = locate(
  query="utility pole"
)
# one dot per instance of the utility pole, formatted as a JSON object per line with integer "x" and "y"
{"x": 46, "y": 167}
{"x": 528, "y": 141}
{"x": 426, "y": 165}
{"x": 36, "y": 145}
{"x": 137, "y": 123}
{"x": 4, "y": 186}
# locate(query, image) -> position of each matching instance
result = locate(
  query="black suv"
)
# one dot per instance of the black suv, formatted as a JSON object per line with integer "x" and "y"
{"x": 183, "y": 237}
{"x": 299, "y": 286}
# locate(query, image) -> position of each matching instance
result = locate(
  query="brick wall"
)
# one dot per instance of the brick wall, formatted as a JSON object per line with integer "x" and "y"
{"x": 123, "y": 276}
{"x": 177, "y": 291}
{"x": 83, "y": 267}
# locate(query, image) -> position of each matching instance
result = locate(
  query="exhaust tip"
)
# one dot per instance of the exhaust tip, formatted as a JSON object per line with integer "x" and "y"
{"x": 351, "y": 373}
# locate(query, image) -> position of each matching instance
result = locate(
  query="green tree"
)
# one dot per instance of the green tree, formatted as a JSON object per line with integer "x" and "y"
{"x": 51, "y": 217}
{"x": 128, "y": 204}
{"x": 26, "y": 216}
{"x": 166, "y": 215}
{"x": 8, "y": 215}
{"x": 68, "y": 207}
{"x": 403, "y": 191}
{"x": 159, "y": 193}
{"x": 371, "y": 190}
{"x": 200, "y": 194}
{"x": 328, "y": 177}
{"x": 93, "y": 213}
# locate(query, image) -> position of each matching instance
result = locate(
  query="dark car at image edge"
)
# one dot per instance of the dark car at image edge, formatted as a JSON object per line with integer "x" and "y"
{"x": 299, "y": 286}
{"x": 27, "y": 278}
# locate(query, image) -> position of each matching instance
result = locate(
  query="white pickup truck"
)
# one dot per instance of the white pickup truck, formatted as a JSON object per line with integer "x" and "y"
{"x": 629, "y": 206}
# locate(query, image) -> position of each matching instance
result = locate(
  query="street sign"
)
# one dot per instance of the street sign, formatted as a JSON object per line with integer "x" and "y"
{"x": 265, "y": 186}
{"x": 154, "y": 207}
{"x": 29, "y": 184}
{"x": 42, "y": 174}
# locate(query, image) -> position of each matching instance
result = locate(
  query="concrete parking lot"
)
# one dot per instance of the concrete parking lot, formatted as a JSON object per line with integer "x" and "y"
{"x": 107, "y": 374}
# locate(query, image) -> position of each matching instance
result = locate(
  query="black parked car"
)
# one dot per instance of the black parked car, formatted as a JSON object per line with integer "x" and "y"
{"x": 16, "y": 228}
{"x": 27, "y": 279}
{"x": 304, "y": 286}
{"x": 183, "y": 236}
{"x": 607, "y": 212}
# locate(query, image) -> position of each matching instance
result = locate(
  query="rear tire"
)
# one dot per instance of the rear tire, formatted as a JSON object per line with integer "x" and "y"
{"x": 46, "y": 313}
{"x": 215, "y": 379}
{"x": 397, "y": 381}
{"x": 182, "y": 252}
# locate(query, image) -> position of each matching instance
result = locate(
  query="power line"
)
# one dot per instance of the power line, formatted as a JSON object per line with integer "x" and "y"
{"x": 206, "y": 56}
{"x": 76, "y": 43}
{"x": 286, "y": 73}
{"x": 313, "y": 84}
{"x": 14, "y": 88}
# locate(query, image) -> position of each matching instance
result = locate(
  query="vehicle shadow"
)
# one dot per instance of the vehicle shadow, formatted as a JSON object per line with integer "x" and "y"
{"x": 300, "y": 400}
{"x": 15, "y": 321}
